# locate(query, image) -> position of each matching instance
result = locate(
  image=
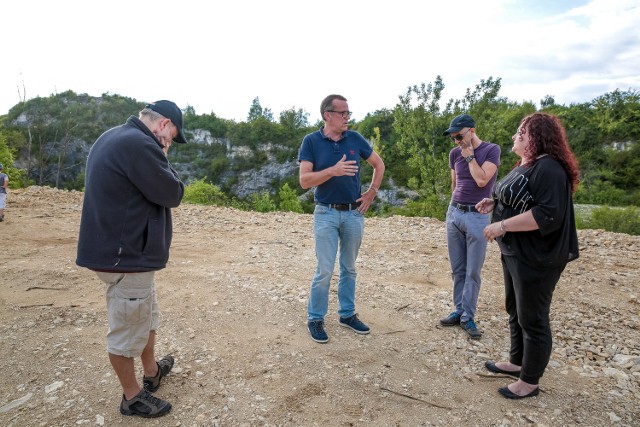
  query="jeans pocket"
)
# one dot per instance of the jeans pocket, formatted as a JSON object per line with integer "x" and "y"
{"x": 319, "y": 209}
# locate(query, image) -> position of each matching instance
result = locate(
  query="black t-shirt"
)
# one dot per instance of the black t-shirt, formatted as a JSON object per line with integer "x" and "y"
{"x": 543, "y": 188}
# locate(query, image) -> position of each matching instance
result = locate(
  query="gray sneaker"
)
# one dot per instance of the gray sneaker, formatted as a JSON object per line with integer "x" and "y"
{"x": 145, "y": 405}
{"x": 164, "y": 367}
{"x": 451, "y": 320}
{"x": 472, "y": 329}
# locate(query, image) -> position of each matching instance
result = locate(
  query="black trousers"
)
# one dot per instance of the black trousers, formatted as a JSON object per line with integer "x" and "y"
{"x": 528, "y": 292}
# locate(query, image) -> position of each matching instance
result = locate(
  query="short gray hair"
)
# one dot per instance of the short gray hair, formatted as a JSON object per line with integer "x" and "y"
{"x": 327, "y": 103}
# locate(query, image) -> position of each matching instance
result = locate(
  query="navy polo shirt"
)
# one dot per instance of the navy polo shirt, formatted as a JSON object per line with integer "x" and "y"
{"x": 324, "y": 152}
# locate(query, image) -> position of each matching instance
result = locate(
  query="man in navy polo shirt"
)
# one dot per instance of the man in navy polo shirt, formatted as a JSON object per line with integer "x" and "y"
{"x": 474, "y": 167}
{"x": 329, "y": 160}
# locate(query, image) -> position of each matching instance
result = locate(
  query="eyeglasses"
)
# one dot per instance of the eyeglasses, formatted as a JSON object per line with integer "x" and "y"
{"x": 460, "y": 136}
{"x": 344, "y": 114}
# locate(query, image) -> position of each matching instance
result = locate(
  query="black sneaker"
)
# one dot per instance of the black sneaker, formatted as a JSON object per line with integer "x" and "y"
{"x": 451, "y": 320}
{"x": 472, "y": 329}
{"x": 354, "y": 323}
{"x": 316, "y": 329}
{"x": 164, "y": 367}
{"x": 145, "y": 405}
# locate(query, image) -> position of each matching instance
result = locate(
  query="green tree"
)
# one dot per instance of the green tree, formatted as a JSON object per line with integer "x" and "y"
{"x": 17, "y": 177}
{"x": 419, "y": 131}
{"x": 256, "y": 111}
{"x": 293, "y": 119}
{"x": 289, "y": 199}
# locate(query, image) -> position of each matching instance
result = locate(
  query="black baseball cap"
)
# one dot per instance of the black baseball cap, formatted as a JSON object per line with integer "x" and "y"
{"x": 171, "y": 111}
{"x": 460, "y": 122}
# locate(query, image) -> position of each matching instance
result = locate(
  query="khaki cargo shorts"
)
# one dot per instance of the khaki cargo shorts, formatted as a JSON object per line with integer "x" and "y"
{"x": 132, "y": 310}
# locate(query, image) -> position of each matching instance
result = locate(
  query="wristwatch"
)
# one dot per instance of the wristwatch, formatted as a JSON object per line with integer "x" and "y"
{"x": 469, "y": 158}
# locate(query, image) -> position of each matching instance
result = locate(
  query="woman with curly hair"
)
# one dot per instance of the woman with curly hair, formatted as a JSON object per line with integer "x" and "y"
{"x": 533, "y": 222}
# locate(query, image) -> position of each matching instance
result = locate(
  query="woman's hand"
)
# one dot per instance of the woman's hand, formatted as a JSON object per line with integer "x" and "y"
{"x": 494, "y": 230}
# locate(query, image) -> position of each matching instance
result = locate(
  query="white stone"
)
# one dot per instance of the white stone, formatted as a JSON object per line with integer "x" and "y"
{"x": 53, "y": 386}
{"x": 15, "y": 403}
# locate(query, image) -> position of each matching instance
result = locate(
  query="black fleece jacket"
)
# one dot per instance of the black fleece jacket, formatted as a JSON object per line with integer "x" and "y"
{"x": 130, "y": 188}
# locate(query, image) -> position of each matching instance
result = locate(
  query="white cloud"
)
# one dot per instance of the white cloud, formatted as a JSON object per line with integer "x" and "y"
{"x": 218, "y": 57}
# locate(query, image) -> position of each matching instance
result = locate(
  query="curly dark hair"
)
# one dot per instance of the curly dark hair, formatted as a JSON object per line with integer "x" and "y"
{"x": 547, "y": 136}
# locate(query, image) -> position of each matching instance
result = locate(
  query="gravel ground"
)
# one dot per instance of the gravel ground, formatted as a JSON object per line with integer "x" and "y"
{"x": 234, "y": 298}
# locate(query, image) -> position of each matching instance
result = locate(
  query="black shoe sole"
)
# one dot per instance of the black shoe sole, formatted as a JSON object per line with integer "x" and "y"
{"x": 511, "y": 395}
{"x": 449, "y": 324}
{"x": 143, "y": 415}
{"x": 493, "y": 368}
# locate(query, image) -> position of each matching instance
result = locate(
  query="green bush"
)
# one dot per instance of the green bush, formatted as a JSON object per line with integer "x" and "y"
{"x": 262, "y": 202}
{"x": 202, "y": 193}
{"x": 289, "y": 199}
{"x": 601, "y": 193}
{"x": 433, "y": 207}
{"x": 618, "y": 220}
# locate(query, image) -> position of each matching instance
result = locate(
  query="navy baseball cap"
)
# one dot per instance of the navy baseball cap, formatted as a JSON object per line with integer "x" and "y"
{"x": 171, "y": 111}
{"x": 460, "y": 122}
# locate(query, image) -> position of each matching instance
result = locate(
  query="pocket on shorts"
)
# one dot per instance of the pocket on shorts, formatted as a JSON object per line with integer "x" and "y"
{"x": 134, "y": 305}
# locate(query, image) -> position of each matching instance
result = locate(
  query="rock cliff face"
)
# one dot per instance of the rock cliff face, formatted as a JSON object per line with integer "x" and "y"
{"x": 262, "y": 178}
{"x": 259, "y": 180}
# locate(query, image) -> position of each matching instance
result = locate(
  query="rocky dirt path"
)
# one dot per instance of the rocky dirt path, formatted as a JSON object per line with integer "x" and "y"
{"x": 234, "y": 301}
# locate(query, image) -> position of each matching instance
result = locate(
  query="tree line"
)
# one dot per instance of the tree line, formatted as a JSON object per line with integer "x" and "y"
{"x": 45, "y": 141}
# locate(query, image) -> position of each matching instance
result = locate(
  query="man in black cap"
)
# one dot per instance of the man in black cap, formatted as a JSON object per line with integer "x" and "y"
{"x": 125, "y": 235}
{"x": 474, "y": 167}
{"x": 4, "y": 185}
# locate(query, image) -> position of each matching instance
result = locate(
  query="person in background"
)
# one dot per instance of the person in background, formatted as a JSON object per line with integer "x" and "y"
{"x": 329, "y": 160}
{"x": 534, "y": 224}
{"x": 474, "y": 167}
{"x": 125, "y": 235}
{"x": 4, "y": 185}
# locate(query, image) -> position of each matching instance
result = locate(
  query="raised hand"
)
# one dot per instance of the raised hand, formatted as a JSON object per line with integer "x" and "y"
{"x": 345, "y": 167}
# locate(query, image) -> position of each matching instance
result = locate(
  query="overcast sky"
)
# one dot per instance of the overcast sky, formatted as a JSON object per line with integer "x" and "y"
{"x": 217, "y": 56}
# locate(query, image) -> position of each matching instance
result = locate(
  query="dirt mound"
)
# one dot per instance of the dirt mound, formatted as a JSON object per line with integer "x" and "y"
{"x": 234, "y": 306}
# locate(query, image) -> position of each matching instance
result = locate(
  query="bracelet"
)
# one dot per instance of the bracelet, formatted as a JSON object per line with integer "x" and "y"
{"x": 371, "y": 187}
{"x": 504, "y": 230}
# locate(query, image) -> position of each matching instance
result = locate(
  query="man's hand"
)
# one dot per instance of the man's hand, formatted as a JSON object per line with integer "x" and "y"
{"x": 467, "y": 149}
{"x": 166, "y": 144}
{"x": 366, "y": 200}
{"x": 345, "y": 167}
{"x": 485, "y": 205}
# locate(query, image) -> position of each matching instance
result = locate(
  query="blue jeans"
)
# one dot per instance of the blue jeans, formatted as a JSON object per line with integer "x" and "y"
{"x": 467, "y": 249}
{"x": 330, "y": 228}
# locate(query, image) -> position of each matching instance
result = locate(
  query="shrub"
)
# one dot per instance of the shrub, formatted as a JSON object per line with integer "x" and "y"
{"x": 433, "y": 207}
{"x": 289, "y": 199}
{"x": 625, "y": 220}
{"x": 202, "y": 193}
{"x": 262, "y": 202}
